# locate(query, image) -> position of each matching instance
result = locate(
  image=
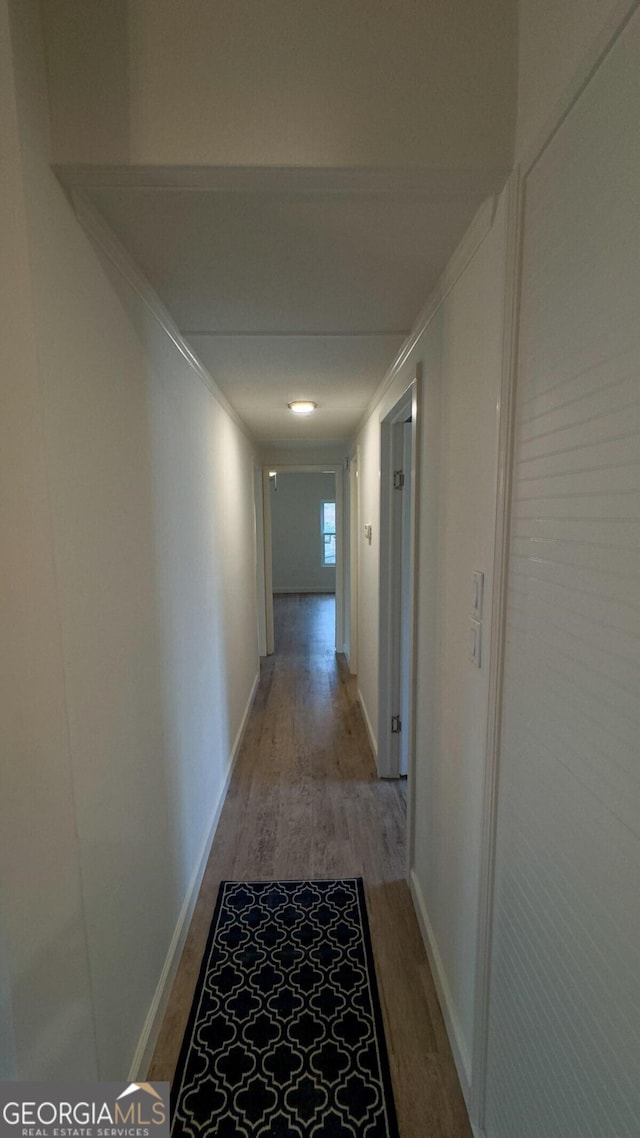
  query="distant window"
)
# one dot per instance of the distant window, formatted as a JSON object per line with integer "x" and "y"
{"x": 328, "y": 524}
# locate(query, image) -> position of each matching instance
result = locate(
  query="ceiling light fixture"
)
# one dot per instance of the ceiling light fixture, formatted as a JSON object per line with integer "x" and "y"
{"x": 302, "y": 406}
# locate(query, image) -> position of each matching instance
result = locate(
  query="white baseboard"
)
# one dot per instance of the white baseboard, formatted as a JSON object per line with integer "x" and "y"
{"x": 458, "y": 1047}
{"x": 237, "y": 742}
{"x": 149, "y": 1037}
{"x": 367, "y": 722}
{"x": 305, "y": 589}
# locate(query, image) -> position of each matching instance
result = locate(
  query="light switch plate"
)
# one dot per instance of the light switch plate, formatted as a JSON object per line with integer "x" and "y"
{"x": 477, "y": 595}
{"x": 475, "y": 643}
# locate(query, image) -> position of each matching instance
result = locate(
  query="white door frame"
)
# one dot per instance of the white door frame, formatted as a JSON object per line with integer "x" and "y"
{"x": 268, "y": 561}
{"x": 326, "y": 468}
{"x": 261, "y": 597}
{"x": 407, "y": 406}
{"x": 354, "y": 533}
{"x": 506, "y": 437}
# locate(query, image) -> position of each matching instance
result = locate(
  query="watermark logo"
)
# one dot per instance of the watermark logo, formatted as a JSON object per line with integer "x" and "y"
{"x": 84, "y": 1110}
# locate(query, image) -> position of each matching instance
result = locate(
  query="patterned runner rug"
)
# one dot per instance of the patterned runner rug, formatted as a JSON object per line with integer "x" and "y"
{"x": 285, "y": 1036}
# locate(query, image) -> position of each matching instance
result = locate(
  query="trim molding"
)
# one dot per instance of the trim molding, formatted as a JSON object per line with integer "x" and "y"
{"x": 391, "y": 522}
{"x": 414, "y": 579}
{"x": 434, "y": 185}
{"x": 340, "y": 560}
{"x": 346, "y": 334}
{"x": 471, "y": 242}
{"x": 103, "y": 236}
{"x": 309, "y": 468}
{"x": 352, "y": 497}
{"x": 460, "y": 1053}
{"x": 506, "y": 431}
{"x": 149, "y": 1036}
{"x": 292, "y": 589}
{"x": 367, "y": 722}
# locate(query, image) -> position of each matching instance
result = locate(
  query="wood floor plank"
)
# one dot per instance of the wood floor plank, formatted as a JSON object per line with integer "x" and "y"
{"x": 305, "y": 801}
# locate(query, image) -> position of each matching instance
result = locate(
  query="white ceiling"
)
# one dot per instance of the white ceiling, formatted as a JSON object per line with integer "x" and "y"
{"x": 290, "y": 177}
{"x": 288, "y": 292}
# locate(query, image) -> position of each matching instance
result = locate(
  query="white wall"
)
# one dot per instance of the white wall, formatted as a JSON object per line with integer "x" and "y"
{"x": 291, "y": 453}
{"x": 231, "y": 82}
{"x": 460, "y": 352}
{"x": 132, "y": 616}
{"x": 42, "y": 906}
{"x": 565, "y": 981}
{"x": 7, "y": 1034}
{"x": 450, "y": 772}
{"x": 369, "y": 574}
{"x": 295, "y": 532}
{"x": 564, "y": 1033}
{"x": 558, "y": 40}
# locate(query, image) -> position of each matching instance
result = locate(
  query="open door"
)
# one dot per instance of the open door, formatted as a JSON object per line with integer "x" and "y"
{"x": 397, "y": 585}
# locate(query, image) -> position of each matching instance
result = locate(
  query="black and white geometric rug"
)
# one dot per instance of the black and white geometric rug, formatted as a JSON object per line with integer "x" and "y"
{"x": 285, "y": 1036}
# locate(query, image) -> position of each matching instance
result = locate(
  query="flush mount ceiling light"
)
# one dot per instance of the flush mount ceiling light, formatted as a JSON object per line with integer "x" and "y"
{"x": 302, "y": 406}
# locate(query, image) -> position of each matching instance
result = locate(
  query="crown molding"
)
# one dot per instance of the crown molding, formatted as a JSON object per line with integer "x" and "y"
{"x": 97, "y": 229}
{"x": 432, "y": 184}
{"x": 294, "y": 335}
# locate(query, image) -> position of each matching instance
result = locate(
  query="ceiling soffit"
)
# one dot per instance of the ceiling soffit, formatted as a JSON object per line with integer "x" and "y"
{"x": 288, "y": 283}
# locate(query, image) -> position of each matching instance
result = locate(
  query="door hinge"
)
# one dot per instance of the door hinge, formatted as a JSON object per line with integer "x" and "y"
{"x": 398, "y": 479}
{"x": 396, "y": 725}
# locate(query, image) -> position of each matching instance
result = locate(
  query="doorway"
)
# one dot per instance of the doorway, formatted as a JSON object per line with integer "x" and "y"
{"x": 351, "y": 611}
{"x": 304, "y": 554}
{"x": 258, "y": 508}
{"x": 398, "y": 514}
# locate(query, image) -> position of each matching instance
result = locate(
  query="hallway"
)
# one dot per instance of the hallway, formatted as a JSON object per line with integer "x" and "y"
{"x": 211, "y": 217}
{"x": 305, "y": 801}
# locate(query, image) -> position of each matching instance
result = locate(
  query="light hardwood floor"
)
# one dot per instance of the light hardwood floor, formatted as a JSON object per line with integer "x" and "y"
{"x": 304, "y": 802}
